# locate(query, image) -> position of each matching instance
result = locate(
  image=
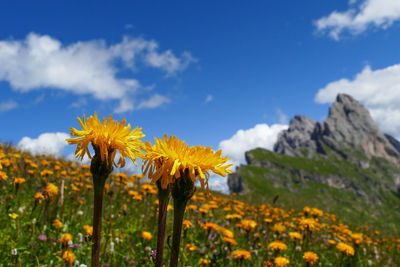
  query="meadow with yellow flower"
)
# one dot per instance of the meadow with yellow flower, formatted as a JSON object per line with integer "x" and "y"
{"x": 48, "y": 219}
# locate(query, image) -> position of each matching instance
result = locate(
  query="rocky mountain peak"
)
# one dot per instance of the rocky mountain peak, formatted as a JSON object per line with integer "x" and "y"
{"x": 348, "y": 126}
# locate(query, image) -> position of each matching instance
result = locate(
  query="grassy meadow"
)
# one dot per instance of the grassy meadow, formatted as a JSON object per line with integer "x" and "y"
{"x": 46, "y": 209}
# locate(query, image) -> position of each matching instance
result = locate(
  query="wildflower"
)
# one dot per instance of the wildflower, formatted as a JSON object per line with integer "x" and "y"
{"x": 51, "y": 191}
{"x": 147, "y": 235}
{"x": 111, "y": 248}
{"x": 187, "y": 224}
{"x": 65, "y": 238}
{"x": 277, "y": 246}
{"x": 309, "y": 224}
{"x": 241, "y": 254}
{"x": 226, "y": 232}
{"x": 247, "y": 225}
{"x": 3, "y": 176}
{"x": 205, "y": 261}
{"x": 295, "y": 235}
{"x": 13, "y": 215}
{"x": 210, "y": 226}
{"x": 190, "y": 247}
{"x": 107, "y": 137}
{"x": 88, "y": 230}
{"x": 14, "y": 252}
{"x": 19, "y": 180}
{"x": 230, "y": 241}
{"x": 357, "y": 238}
{"x": 42, "y": 237}
{"x": 310, "y": 257}
{"x": 68, "y": 256}
{"x": 279, "y": 228}
{"x": 171, "y": 158}
{"x": 281, "y": 261}
{"x": 38, "y": 196}
{"x": 57, "y": 223}
{"x": 345, "y": 249}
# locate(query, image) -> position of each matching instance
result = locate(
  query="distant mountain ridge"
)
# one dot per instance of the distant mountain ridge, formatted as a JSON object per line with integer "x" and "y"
{"x": 346, "y": 152}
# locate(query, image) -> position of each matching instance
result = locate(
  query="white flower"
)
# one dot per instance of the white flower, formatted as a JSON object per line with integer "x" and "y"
{"x": 14, "y": 252}
{"x": 111, "y": 248}
{"x": 80, "y": 237}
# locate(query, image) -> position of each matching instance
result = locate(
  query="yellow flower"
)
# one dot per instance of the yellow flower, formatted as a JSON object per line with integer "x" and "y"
{"x": 169, "y": 159}
{"x": 210, "y": 226}
{"x": 69, "y": 257}
{"x": 13, "y": 215}
{"x": 277, "y": 246}
{"x": 279, "y": 228}
{"x": 241, "y": 254}
{"x": 281, "y": 261}
{"x": 19, "y": 180}
{"x": 205, "y": 261}
{"x": 225, "y": 232}
{"x": 3, "y": 176}
{"x": 310, "y": 257}
{"x": 190, "y": 247}
{"x": 65, "y": 238}
{"x": 51, "y": 190}
{"x": 295, "y": 235}
{"x": 88, "y": 230}
{"x": 345, "y": 248}
{"x": 357, "y": 238}
{"x": 38, "y": 196}
{"x": 247, "y": 224}
{"x": 147, "y": 235}
{"x": 107, "y": 136}
{"x": 230, "y": 241}
{"x": 57, "y": 223}
{"x": 186, "y": 224}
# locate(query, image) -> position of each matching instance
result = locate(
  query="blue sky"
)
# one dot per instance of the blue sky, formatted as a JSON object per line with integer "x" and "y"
{"x": 229, "y": 74}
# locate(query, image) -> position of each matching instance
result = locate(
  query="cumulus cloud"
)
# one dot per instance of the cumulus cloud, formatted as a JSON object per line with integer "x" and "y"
{"x": 8, "y": 105}
{"x": 209, "y": 98}
{"x": 378, "y": 90}
{"x": 154, "y": 101}
{"x": 46, "y": 143}
{"x": 360, "y": 16}
{"x": 83, "y": 68}
{"x": 261, "y": 135}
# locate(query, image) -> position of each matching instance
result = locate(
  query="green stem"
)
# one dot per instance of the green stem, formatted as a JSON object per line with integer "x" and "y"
{"x": 179, "y": 212}
{"x": 163, "y": 199}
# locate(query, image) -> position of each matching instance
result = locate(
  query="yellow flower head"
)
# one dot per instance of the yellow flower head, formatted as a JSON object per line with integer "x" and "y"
{"x": 69, "y": 257}
{"x": 65, "y": 238}
{"x": 205, "y": 261}
{"x": 277, "y": 246}
{"x": 241, "y": 254}
{"x": 38, "y": 196}
{"x": 88, "y": 230}
{"x": 57, "y": 223}
{"x": 345, "y": 249}
{"x": 310, "y": 257}
{"x": 19, "y": 180}
{"x": 107, "y": 136}
{"x": 281, "y": 261}
{"x": 13, "y": 215}
{"x": 51, "y": 190}
{"x": 295, "y": 235}
{"x": 169, "y": 159}
{"x": 147, "y": 235}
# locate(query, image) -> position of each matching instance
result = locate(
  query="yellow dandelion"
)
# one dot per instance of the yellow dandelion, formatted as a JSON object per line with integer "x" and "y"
{"x": 205, "y": 261}
{"x": 19, "y": 180}
{"x": 190, "y": 247}
{"x": 65, "y": 238}
{"x": 13, "y": 215}
{"x": 310, "y": 257}
{"x": 281, "y": 261}
{"x": 241, "y": 254}
{"x": 345, "y": 249}
{"x": 57, "y": 223}
{"x": 107, "y": 137}
{"x": 38, "y": 196}
{"x": 277, "y": 246}
{"x": 147, "y": 235}
{"x": 88, "y": 230}
{"x": 169, "y": 159}
{"x": 187, "y": 224}
{"x": 69, "y": 257}
{"x": 295, "y": 235}
{"x": 51, "y": 191}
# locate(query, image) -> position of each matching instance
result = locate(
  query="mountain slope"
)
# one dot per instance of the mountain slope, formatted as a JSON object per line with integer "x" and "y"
{"x": 345, "y": 165}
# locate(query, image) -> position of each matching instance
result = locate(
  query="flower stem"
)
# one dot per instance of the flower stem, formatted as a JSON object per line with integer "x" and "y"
{"x": 179, "y": 212}
{"x": 163, "y": 199}
{"x": 97, "y": 216}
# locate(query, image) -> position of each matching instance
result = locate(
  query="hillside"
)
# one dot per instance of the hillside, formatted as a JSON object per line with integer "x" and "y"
{"x": 345, "y": 165}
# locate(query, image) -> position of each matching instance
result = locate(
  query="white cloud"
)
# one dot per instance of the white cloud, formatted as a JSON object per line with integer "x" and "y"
{"x": 125, "y": 105}
{"x": 8, "y": 105}
{"x": 282, "y": 116}
{"x": 262, "y": 135}
{"x": 377, "y": 13}
{"x": 154, "y": 101}
{"x": 46, "y": 143}
{"x": 209, "y": 98}
{"x": 83, "y": 68}
{"x": 378, "y": 90}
